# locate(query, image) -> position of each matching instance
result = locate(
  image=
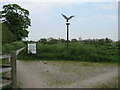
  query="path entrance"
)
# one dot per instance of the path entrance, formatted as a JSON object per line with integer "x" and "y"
{"x": 60, "y": 74}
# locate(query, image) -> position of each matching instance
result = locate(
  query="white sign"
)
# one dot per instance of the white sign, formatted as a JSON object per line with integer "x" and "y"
{"x": 32, "y": 48}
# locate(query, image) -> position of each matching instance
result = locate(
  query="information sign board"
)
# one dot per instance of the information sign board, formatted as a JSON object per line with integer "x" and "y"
{"x": 32, "y": 48}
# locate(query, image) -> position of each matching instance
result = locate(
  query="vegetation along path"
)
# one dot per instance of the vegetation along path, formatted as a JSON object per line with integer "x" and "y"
{"x": 73, "y": 74}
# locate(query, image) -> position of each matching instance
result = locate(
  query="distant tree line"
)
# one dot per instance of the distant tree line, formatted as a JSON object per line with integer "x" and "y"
{"x": 103, "y": 41}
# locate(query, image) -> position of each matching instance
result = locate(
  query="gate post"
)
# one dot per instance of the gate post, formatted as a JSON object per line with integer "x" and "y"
{"x": 13, "y": 71}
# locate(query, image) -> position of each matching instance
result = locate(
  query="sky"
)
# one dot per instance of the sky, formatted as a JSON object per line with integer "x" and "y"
{"x": 93, "y": 19}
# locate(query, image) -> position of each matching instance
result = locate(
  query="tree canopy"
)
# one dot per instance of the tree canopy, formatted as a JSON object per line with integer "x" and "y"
{"x": 17, "y": 19}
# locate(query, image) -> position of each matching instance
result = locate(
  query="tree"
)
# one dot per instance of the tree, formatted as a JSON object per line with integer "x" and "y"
{"x": 108, "y": 40}
{"x": 61, "y": 40}
{"x": 43, "y": 40}
{"x": 17, "y": 20}
{"x": 101, "y": 41}
{"x": 53, "y": 41}
{"x": 74, "y": 40}
{"x": 7, "y": 35}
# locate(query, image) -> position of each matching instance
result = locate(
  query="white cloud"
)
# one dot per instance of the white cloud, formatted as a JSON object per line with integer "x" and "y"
{"x": 99, "y": 17}
{"x": 34, "y": 7}
{"x": 107, "y": 6}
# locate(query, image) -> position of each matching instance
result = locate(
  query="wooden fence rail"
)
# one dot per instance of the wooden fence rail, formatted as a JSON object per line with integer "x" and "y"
{"x": 12, "y": 59}
{"x": 12, "y": 68}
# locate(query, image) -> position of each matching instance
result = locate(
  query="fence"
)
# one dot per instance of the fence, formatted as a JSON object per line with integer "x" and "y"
{"x": 11, "y": 69}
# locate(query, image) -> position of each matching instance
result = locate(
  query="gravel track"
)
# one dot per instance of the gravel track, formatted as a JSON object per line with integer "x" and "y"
{"x": 46, "y": 74}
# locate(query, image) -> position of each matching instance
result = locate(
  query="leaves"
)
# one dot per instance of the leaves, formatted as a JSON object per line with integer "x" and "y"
{"x": 17, "y": 20}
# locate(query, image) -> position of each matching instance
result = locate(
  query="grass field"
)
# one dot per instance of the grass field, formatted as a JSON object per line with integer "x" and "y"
{"x": 76, "y": 51}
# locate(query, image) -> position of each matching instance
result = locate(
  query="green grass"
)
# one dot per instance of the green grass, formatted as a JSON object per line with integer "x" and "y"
{"x": 76, "y": 51}
{"x": 8, "y": 47}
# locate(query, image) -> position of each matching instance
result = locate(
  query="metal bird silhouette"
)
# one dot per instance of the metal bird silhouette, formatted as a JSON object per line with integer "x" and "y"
{"x": 67, "y": 18}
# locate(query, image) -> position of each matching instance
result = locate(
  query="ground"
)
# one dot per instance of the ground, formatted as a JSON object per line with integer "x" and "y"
{"x": 66, "y": 74}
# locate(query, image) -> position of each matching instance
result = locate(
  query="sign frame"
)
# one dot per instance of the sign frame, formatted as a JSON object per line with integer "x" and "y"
{"x": 32, "y": 48}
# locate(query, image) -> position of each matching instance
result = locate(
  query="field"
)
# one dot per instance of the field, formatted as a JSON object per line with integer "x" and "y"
{"x": 77, "y": 51}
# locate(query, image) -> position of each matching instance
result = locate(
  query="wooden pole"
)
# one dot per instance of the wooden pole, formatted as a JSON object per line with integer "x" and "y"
{"x": 13, "y": 71}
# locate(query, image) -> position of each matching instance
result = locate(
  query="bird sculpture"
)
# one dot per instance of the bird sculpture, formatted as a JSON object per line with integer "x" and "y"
{"x": 67, "y": 18}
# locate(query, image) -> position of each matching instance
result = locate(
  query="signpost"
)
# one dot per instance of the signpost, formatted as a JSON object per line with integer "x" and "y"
{"x": 67, "y": 23}
{"x": 32, "y": 48}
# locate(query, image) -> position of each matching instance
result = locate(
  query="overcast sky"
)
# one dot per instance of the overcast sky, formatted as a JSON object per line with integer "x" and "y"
{"x": 93, "y": 19}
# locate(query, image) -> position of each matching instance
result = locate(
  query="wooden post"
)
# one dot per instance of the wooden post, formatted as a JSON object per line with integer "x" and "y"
{"x": 13, "y": 71}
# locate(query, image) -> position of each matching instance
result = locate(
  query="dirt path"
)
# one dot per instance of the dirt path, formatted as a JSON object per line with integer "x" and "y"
{"x": 43, "y": 74}
{"x": 28, "y": 76}
{"x": 98, "y": 80}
